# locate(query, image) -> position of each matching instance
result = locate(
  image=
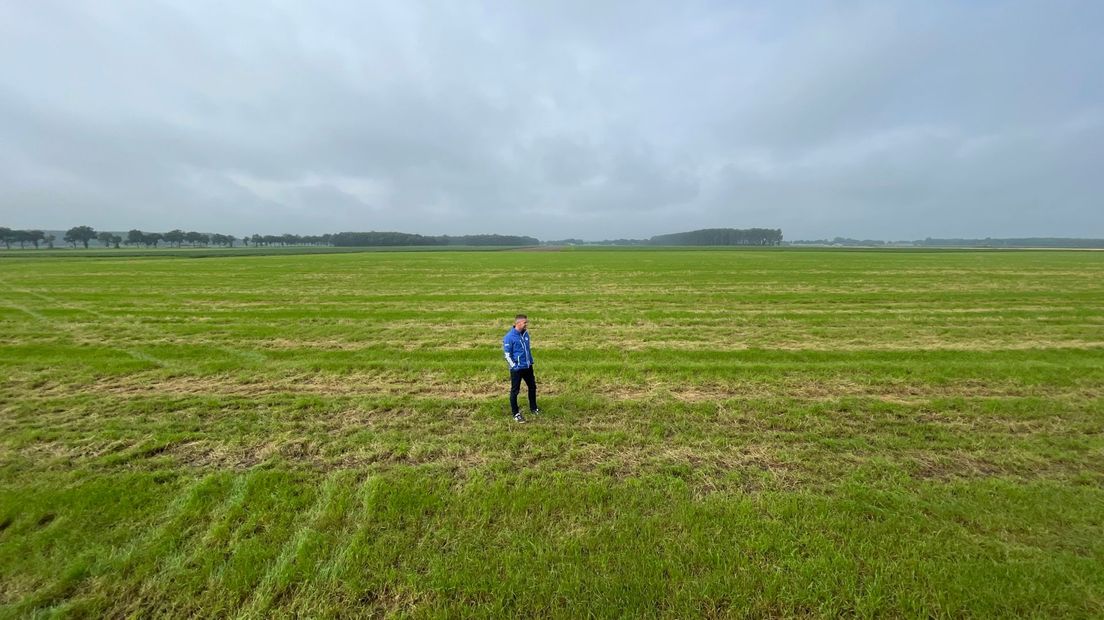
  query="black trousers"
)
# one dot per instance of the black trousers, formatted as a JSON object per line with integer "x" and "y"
{"x": 516, "y": 377}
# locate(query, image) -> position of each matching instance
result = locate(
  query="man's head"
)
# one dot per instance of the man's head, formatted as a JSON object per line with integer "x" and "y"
{"x": 521, "y": 322}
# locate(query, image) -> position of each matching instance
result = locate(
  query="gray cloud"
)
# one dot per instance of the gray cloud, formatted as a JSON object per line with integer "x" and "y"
{"x": 888, "y": 120}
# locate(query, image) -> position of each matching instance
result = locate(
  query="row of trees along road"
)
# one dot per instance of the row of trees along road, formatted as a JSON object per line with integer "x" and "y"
{"x": 23, "y": 237}
{"x": 84, "y": 234}
{"x": 75, "y": 235}
{"x": 326, "y": 239}
{"x": 174, "y": 238}
{"x": 177, "y": 238}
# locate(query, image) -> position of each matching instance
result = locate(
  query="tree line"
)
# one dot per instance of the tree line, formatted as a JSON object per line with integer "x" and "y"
{"x": 173, "y": 238}
{"x": 23, "y": 237}
{"x": 356, "y": 239}
{"x": 721, "y": 236}
{"x": 83, "y": 235}
{"x": 705, "y": 236}
{"x": 289, "y": 239}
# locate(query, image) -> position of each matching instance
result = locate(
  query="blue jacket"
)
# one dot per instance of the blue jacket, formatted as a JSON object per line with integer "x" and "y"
{"x": 516, "y": 348}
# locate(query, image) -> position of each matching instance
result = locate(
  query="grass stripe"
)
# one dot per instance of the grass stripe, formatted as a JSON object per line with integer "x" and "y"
{"x": 306, "y": 549}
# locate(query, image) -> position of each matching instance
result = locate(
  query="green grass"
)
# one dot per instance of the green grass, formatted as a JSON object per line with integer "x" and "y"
{"x": 728, "y": 433}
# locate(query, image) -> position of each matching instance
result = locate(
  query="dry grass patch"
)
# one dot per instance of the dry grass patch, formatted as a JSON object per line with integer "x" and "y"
{"x": 360, "y": 383}
{"x": 311, "y": 453}
{"x": 484, "y": 386}
{"x": 832, "y": 389}
{"x": 946, "y": 466}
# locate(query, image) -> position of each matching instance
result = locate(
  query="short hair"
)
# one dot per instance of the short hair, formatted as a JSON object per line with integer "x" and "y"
{"x": 520, "y": 317}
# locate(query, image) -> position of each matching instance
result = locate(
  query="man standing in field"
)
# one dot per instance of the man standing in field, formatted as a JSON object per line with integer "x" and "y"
{"x": 515, "y": 345}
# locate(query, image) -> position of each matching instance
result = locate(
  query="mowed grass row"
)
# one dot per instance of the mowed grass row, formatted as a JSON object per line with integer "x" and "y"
{"x": 728, "y": 433}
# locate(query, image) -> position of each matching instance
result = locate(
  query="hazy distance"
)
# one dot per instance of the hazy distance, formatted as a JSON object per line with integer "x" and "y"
{"x": 879, "y": 120}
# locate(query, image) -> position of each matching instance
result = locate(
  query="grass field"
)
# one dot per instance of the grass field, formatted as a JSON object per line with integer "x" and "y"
{"x": 727, "y": 433}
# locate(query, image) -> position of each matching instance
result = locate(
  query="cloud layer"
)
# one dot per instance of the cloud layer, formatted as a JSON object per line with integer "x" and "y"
{"x": 595, "y": 120}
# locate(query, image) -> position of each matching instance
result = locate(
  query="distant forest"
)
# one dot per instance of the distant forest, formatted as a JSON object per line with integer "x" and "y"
{"x": 721, "y": 236}
{"x": 360, "y": 239}
{"x": 86, "y": 236}
{"x": 705, "y": 236}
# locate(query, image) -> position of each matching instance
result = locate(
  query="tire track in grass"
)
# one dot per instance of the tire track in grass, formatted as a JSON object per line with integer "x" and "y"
{"x": 165, "y": 575}
{"x": 320, "y": 564}
{"x": 327, "y": 573}
{"x": 216, "y": 572}
{"x": 75, "y": 586}
{"x": 34, "y": 315}
{"x": 300, "y": 553}
{"x": 254, "y": 357}
{"x": 128, "y": 571}
{"x": 251, "y": 356}
{"x": 343, "y": 560}
{"x": 277, "y": 502}
{"x": 41, "y": 601}
{"x": 368, "y": 571}
{"x": 170, "y": 539}
{"x": 74, "y": 330}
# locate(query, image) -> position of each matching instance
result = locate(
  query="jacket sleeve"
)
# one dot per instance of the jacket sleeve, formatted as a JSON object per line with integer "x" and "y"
{"x": 507, "y": 349}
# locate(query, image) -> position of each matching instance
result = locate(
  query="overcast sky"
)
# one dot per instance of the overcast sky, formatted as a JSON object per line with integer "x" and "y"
{"x": 888, "y": 120}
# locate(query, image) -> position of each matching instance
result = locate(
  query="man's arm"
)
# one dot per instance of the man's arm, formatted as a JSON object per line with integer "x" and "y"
{"x": 507, "y": 348}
